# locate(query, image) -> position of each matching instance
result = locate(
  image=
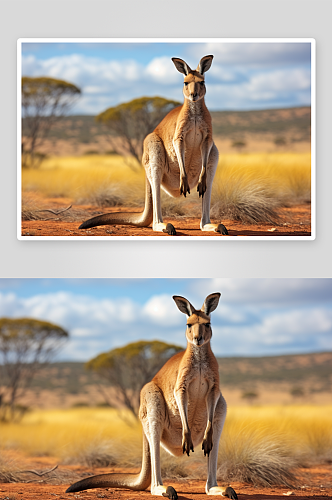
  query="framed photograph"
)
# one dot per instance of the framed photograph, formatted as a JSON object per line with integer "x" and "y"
{"x": 166, "y": 138}
{"x": 110, "y": 373}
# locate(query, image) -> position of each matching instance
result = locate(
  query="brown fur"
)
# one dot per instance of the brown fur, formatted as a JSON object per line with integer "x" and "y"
{"x": 180, "y": 408}
{"x": 178, "y": 156}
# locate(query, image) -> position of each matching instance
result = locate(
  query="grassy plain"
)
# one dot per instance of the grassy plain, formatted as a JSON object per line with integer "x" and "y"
{"x": 262, "y": 445}
{"x": 247, "y": 187}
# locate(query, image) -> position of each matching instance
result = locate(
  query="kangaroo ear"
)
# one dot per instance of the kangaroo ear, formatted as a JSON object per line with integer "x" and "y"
{"x": 211, "y": 302}
{"x": 184, "y": 305}
{"x": 204, "y": 64}
{"x": 181, "y": 66}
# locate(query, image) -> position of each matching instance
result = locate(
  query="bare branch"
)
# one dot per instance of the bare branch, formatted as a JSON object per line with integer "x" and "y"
{"x": 35, "y": 472}
{"x": 55, "y": 212}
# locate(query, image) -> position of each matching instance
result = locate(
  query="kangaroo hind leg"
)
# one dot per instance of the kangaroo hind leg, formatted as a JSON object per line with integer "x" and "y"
{"x": 154, "y": 161}
{"x": 152, "y": 416}
{"x": 207, "y": 178}
{"x": 212, "y": 487}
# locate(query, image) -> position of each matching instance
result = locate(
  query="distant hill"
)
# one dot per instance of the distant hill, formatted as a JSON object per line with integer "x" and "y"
{"x": 293, "y": 123}
{"x": 273, "y": 380}
{"x": 314, "y": 370}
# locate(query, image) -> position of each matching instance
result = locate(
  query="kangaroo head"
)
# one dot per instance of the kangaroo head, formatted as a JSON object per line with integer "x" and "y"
{"x": 198, "y": 323}
{"x": 194, "y": 85}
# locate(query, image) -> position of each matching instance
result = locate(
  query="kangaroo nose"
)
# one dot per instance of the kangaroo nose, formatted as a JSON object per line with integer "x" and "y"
{"x": 198, "y": 339}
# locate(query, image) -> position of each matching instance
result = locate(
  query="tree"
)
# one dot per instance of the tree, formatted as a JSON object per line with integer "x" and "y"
{"x": 250, "y": 396}
{"x": 280, "y": 141}
{"x": 239, "y": 145}
{"x": 130, "y": 367}
{"x": 25, "y": 345}
{"x": 44, "y": 100}
{"x": 130, "y": 122}
{"x": 297, "y": 392}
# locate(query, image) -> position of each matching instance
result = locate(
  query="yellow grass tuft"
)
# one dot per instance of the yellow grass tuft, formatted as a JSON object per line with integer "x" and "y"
{"x": 85, "y": 178}
{"x": 260, "y": 445}
{"x": 247, "y": 187}
{"x": 251, "y": 187}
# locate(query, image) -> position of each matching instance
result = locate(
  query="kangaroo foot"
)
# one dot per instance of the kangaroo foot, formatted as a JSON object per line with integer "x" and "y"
{"x": 170, "y": 229}
{"x": 221, "y": 229}
{"x": 184, "y": 186}
{"x": 215, "y": 228}
{"x": 230, "y": 493}
{"x": 225, "y": 492}
{"x": 170, "y": 493}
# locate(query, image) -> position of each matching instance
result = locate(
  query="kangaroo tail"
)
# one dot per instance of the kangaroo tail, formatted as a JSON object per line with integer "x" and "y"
{"x": 138, "y": 481}
{"x": 140, "y": 220}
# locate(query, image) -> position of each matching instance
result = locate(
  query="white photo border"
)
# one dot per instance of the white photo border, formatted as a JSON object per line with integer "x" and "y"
{"x": 312, "y": 42}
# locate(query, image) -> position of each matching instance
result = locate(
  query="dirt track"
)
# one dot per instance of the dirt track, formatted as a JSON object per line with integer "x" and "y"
{"x": 294, "y": 221}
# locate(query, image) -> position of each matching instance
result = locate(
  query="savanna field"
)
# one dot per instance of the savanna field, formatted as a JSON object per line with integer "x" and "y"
{"x": 262, "y": 448}
{"x": 250, "y": 189}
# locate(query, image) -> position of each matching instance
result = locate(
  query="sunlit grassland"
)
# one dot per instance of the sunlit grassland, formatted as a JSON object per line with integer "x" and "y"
{"x": 247, "y": 187}
{"x": 262, "y": 445}
{"x": 85, "y": 179}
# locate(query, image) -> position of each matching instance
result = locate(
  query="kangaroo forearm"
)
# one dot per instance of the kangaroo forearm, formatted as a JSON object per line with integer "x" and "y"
{"x": 179, "y": 146}
{"x": 181, "y": 396}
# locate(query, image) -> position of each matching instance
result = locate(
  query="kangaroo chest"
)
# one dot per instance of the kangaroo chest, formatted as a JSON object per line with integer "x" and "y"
{"x": 198, "y": 389}
{"x": 193, "y": 137}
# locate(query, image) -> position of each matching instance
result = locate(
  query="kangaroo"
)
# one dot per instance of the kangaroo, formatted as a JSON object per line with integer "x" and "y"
{"x": 177, "y": 156}
{"x": 180, "y": 408}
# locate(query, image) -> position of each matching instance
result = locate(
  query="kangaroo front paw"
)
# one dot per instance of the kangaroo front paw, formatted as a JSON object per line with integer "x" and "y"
{"x": 170, "y": 229}
{"x": 170, "y": 493}
{"x": 187, "y": 444}
{"x": 201, "y": 186}
{"x": 207, "y": 445}
{"x": 184, "y": 186}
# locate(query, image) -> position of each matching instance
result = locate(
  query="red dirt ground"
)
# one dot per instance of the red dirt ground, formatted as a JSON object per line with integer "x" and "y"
{"x": 294, "y": 221}
{"x": 315, "y": 483}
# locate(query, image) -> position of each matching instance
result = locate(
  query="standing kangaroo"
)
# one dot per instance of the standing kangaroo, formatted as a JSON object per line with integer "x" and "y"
{"x": 180, "y": 408}
{"x": 178, "y": 155}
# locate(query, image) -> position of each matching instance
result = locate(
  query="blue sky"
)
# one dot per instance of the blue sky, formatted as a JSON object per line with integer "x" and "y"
{"x": 254, "y": 316}
{"x": 243, "y": 75}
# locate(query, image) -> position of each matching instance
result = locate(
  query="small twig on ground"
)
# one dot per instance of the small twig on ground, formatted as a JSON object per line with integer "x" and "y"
{"x": 55, "y": 212}
{"x": 37, "y": 473}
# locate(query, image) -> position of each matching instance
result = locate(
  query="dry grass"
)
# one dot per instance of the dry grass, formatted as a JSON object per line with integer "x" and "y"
{"x": 247, "y": 187}
{"x": 86, "y": 179}
{"x": 250, "y": 188}
{"x": 259, "y": 445}
{"x": 251, "y": 456}
{"x": 8, "y": 469}
{"x": 37, "y": 208}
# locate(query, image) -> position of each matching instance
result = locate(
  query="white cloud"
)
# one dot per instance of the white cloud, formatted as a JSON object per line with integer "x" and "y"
{"x": 280, "y": 81}
{"x": 161, "y": 309}
{"x": 243, "y": 76}
{"x": 258, "y": 53}
{"x": 161, "y": 69}
{"x": 253, "y": 317}
{"x": 266, "y": 292}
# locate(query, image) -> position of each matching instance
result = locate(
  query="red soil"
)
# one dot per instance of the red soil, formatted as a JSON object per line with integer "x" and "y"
{"x": 314, "y": 483}
{"x": 295, "y": 221}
